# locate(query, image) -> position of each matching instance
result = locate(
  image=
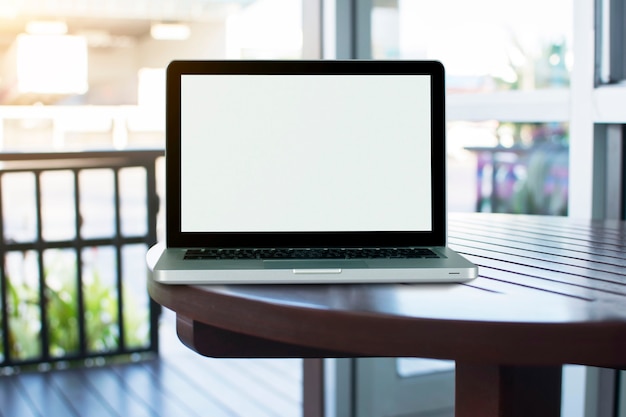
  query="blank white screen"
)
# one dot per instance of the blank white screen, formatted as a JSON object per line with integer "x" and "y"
{"x": 305, "y": 153}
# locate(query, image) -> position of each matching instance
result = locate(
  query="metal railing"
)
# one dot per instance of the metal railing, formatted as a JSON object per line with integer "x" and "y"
{"x": 74, "y": 228}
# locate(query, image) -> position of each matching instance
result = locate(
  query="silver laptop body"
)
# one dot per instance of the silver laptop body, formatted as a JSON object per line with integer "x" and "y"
{"x": 306, "y": 172}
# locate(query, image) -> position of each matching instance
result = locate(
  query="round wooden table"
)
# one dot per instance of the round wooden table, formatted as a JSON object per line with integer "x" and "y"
{"x": 551, "y": 291}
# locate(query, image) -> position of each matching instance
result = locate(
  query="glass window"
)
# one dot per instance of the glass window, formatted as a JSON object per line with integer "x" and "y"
{"x": 513, "y": 167}
{"x": 610, "y": 41}
{"x": 486, "y": 45}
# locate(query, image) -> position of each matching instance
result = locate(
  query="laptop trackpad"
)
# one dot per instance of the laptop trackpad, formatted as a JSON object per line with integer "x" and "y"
{"x": 315, "y": 264}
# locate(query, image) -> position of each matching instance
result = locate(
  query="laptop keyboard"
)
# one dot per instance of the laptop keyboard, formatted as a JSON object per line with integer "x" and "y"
{"x": 313, "y": 253}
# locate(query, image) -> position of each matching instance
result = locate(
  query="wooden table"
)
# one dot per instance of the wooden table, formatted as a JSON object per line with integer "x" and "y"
{"x": 551, "y": 291}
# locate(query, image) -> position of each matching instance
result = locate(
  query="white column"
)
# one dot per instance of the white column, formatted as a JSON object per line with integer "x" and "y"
{"x": 581, "y": 163}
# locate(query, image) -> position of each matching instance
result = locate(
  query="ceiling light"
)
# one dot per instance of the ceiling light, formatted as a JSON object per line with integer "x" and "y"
{"x": 46, "y": 27}
{"x": 51, "y": 64}
{"x": 170, "y": 31}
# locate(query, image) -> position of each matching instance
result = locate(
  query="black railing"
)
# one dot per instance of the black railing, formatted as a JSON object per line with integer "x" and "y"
{"x": 74, "y": 230}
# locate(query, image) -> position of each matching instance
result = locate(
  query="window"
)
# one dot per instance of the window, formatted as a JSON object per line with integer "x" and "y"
{"x": 577, "y": 82}
{"x": 507, "y": 94}
{"x": 484, "y": 44}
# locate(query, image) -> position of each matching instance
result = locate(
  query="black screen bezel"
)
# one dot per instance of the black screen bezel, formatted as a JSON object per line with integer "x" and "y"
{"x": 176, "y": 238}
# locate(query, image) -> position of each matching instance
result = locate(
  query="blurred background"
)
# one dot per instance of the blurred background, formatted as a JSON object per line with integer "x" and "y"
{"x": 88, "y": 74}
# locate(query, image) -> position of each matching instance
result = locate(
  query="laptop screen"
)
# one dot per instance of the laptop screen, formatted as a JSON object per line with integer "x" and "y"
{"x": 279, "y": 153}
{"x": 310, "y": 153}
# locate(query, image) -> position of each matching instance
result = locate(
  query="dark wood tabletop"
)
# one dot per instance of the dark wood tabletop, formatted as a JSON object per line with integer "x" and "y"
{"x": 551, "y": 291}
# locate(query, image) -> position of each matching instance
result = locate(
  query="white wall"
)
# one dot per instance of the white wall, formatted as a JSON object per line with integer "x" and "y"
{"x": 112, "y": 76}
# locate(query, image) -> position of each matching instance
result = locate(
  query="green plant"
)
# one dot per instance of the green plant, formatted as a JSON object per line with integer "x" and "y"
{"x": 24, "y": 320}
{"x": 101, "y": 318}
{"x": 100, "y": 301}
{"x": 136, "y": 321}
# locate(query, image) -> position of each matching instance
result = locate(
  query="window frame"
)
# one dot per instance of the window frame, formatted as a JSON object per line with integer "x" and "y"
{"x": 610, "y": 41}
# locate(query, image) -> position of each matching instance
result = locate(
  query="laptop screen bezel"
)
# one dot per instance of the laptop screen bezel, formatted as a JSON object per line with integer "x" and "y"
{"x": 176, "y": 238}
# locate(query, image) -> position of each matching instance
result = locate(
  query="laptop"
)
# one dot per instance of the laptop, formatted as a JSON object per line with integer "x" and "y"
{"x": 288, "y": 172}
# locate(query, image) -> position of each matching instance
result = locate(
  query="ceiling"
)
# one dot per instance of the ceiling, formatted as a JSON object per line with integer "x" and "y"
{"x": 116, "y": 19}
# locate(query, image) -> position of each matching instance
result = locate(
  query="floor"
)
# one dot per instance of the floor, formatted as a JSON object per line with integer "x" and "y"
{"x": 179, "y": 383}
{"x": 182, "y": 383}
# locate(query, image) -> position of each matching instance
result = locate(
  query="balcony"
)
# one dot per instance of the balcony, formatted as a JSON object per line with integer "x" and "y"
{"x": 79, "y": 335}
